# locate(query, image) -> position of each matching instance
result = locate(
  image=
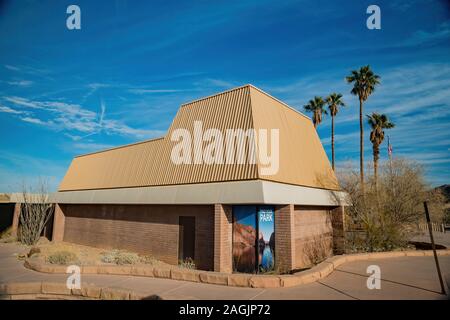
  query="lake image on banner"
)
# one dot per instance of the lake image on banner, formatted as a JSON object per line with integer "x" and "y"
{"x": 266, "y": 239}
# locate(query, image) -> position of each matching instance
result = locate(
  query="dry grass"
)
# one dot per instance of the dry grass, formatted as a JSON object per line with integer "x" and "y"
{"x": 93, "y": 256}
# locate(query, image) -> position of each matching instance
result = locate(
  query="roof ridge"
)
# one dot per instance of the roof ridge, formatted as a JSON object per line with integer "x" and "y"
{"x": 249, "y": 85}
{"x": 278, "y": 100}
{"x": 216, "y": 94}
{"x": 119, "y": 147}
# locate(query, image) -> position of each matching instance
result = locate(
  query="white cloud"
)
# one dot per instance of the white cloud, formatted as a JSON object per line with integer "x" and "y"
{"x": 415, "y": 97}
{"x": 24, "y": 102}
{"x": 144, "y": 91}
{"x": 89, "y": 147}
{"x": 30, "y": 170}
{"x": 73, "y": 117}
{"x": 12, "y": 68}
{"x": 422, "y": 37}
{"x": 21, "y": 83}
{"x": 216, "y": 83}
{"x": 37, "y": 121}
{"x": 9, "y": 110}
{"x": 97, "y": 85}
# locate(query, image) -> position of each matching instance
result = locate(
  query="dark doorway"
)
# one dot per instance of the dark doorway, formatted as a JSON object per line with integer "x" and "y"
{"x": 6, "y": 215}
{"x": 187, "y": 238}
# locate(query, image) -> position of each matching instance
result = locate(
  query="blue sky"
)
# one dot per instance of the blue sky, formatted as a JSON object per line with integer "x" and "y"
{"x": 122, "y": 77}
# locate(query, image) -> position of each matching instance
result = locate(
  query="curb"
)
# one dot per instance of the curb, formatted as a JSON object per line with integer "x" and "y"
{"x": 317, "y": 272}
{"x": 33, "y": 290}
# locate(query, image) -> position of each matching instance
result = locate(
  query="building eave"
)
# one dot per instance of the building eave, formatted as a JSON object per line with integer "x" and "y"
{"x": 233, "y": 192}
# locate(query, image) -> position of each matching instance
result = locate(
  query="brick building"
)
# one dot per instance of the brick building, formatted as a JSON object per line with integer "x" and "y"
{"x": 227, "y": 216}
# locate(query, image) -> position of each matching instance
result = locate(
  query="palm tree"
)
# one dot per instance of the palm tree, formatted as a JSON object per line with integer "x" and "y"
{"x": 334, "y": 101}
{"x": 364, "y": 82}
{"x": 316, "y": 106}
{"x": 378, "y": 122}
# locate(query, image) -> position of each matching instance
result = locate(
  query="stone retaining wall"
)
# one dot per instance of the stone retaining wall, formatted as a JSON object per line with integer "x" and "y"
{"x": 320, "y": 271}
{"x": 37, "y": 290}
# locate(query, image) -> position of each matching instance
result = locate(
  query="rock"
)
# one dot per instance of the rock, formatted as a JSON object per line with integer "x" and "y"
{"x": 118, "y": 270}
{"x": 265, "y": 282}
{"x": 21, "y": 288}
{"x": 55, "y": 288}
{"x": 290, "y": 280}
{"x": 33, "y": 251}
{"x": 161, "y": 272}
{"x": 186, "y": 275}
{"x": 238, "y": 280}
{"x": 22, "y": 256}
{"x": 114, "y": 294}
{"x": 89, "y": 291}
{"x": 214, "y": 278}
{"x": 142, "y": 271}
{"x": 89, "y": 269}
{"x": 42, "y": 241}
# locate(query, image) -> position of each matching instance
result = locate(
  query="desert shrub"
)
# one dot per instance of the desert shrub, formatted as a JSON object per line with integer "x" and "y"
{"x": 187, "y": 263}
{"x": 36, "y": 211}
{"x": 318, "y": 249}
{"x": 148, "y": 260}
{"x": 120, "y": 257}
{"x": 62, "y": 257}
{"x": 381, "y": 219}
{"x": 6, "y": 236}
{"x": 6, "y": 233}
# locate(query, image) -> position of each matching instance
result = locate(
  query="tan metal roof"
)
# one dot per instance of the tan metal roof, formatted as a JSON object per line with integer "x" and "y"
{"x": 302, "y": 158}
{"x": 4, "y": 198}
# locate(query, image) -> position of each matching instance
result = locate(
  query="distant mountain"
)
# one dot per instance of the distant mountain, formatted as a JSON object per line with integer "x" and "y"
{"x": 445, "y": 189}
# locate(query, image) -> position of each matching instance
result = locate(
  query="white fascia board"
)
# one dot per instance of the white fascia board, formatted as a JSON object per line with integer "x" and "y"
{"x": 281, "y": 193}
{"x": 234, "y": 192}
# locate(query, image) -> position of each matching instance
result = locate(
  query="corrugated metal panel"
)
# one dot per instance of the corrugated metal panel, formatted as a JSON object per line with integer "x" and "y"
{"x": 303, "y": 160}
{"x": 149, "y": 163}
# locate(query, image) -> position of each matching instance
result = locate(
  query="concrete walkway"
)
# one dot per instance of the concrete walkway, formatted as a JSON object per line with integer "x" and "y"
{"x": 402, "y": 278}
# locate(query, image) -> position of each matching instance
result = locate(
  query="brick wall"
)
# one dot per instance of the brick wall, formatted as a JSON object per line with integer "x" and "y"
{"x": 313, "y": 234}
{"x": 16, "y": 218}
{"x": 146, "y": 229}
{"x": 223, "y": 225}
{"x": 338, "y": 224}
{"x": 58, "y": 224}
{"x": 284, "y": 238}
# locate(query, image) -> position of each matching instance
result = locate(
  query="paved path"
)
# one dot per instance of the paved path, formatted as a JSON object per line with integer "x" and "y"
{"x": 402, "y": 278}
{"x": 439, "y": 238}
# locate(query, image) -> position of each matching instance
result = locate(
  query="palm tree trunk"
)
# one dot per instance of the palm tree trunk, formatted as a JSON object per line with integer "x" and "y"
{"x": 361, "y": 144}
{"x": 332, "y": 140}
{"x": 376, "y": 157}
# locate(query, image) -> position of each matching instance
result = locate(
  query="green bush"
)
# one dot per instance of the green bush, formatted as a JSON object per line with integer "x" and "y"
{"x": 187, "y": 263}
{"x": 120, "y": 257}
{"x": 62, "y": 257}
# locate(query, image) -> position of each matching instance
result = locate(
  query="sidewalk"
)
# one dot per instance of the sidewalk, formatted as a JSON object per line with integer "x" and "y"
{"x": 402, "y": 278}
